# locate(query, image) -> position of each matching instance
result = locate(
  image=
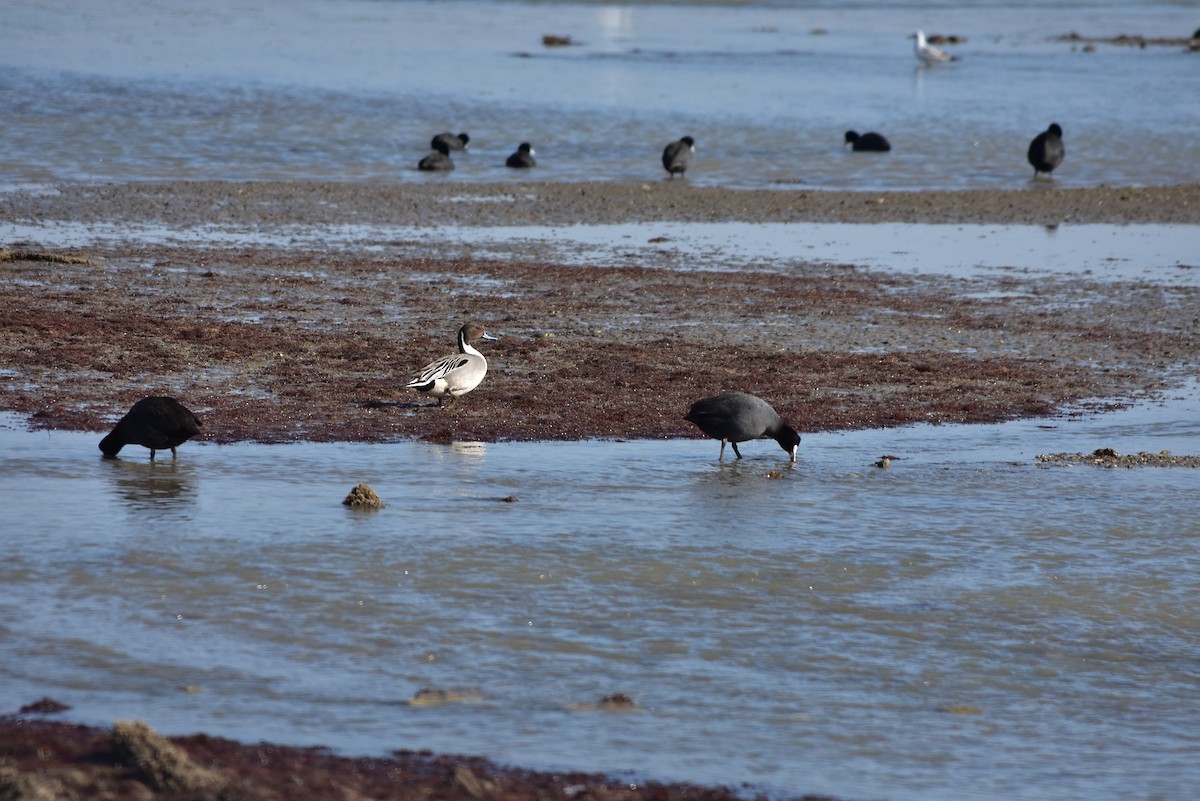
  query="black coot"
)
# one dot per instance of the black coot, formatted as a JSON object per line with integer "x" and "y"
{"x": 677, "y": 156}
{"x": 439, "y": 159}
{"x": 1046, "y": 151}
{"x": 523, "y": 157}
{"x": 451, "y": 141}
{"x": 868, "y": 142}
{"x": 156, "y": 423}
{"x": 737, "y": 417}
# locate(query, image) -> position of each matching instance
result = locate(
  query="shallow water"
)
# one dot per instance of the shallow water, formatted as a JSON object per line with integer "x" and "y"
{"x": 353, "y": 90}
{"x": 1161, "y": 254}
{"x": 962, "y": 625}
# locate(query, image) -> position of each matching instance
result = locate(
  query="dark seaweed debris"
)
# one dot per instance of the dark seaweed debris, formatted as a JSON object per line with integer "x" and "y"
{"x": 1107, "y": 457}
{"x": 68, "y": 762}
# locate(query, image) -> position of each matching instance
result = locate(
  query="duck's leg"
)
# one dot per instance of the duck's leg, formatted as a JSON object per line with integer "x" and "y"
{"x": 174, "y": 455}
{"x": 453, "y": 400}
{"x": 721, "y": 458}
{"x": 152, "y": 454}
{"x": 735, "y": 450}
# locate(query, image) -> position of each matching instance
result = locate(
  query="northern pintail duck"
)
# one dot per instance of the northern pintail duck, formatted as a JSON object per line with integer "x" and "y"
{"x": 868, "y": 142}
{"x": 735, "y": 417}
{"x": 523, "y": 157}
{"x": 451, "y": 141}
{"x": 677, "y": 156}
{"x": 927, "y": 53}
{"x": 439, "y": 159}
{"x": 457, "y": 374}
{"x": 1046, "y": 151}
{"x": 156, "y": 423}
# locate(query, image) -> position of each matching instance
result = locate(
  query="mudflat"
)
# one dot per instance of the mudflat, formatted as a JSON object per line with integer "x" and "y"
{"x": 184, "y": 203}
{"x": 277, "y": 343}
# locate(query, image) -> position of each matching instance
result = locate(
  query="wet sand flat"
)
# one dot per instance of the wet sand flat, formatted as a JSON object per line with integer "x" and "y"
{"x": 279, "y": 344}
{"x": 187, "y": 203}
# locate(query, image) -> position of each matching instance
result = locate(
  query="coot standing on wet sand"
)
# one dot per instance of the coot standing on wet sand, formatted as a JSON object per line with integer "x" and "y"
{"x": 677, "y": 156}
{"x": 868, "y": 142}
{"x": 156, "y": 423}
{"x": 451, "y": 141}
{"x": 1046, "y": 151}
{"x": 523, "y": 158}
{"x": 439, "y": 159}
{"x": 735, "y": 417}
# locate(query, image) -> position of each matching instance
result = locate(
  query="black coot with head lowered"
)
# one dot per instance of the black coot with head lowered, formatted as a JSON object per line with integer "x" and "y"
{"x": 870, "y": 142}
{"x": 157, "y": 423}
{"x": 677, "y": 156}
{"x": 1046, "y": 151}
{"x": 735, "y": 417}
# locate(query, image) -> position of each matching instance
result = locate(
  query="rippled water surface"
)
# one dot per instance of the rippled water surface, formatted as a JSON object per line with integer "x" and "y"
{"x": 962, "y": 625}
{"x": 351, "y": 90}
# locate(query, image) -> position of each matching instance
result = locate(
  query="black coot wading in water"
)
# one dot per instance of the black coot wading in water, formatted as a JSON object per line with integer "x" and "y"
{"x": 156, "y": 423}
{"x": 677, "y": 156}
{"x": 439, "y": 159}
{"x": 523, "y": 157}
{"x": 1046, "y": 151}
{"x": 869, "y": 142}
{"x": 735, "y": 417}
{"x": 450, "y": 141}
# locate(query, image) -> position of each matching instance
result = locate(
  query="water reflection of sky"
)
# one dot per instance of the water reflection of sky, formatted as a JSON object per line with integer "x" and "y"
{"x": 1150, "y": 252}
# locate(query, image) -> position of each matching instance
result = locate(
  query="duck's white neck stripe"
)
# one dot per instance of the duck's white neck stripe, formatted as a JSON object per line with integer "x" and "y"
{"x": 464, "y": 346}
